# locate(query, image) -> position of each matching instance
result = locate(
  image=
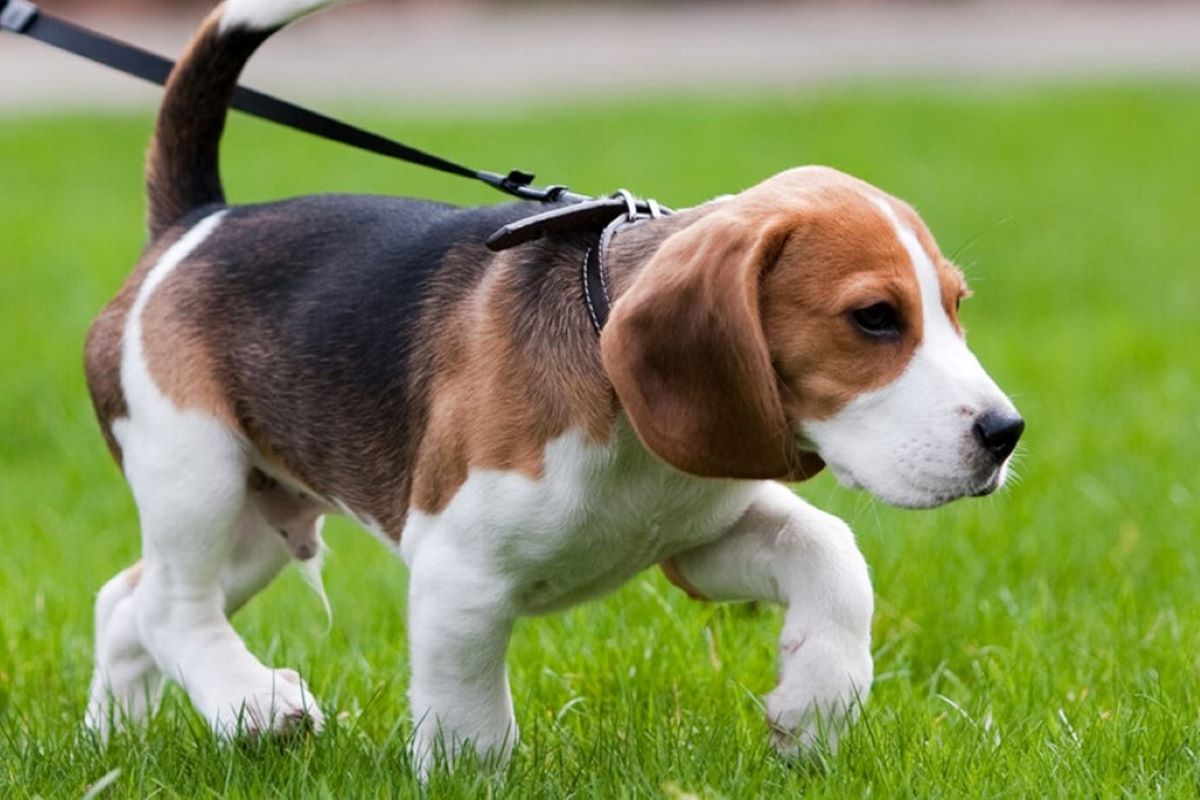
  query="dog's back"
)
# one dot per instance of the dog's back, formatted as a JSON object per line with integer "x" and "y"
{"x": 301, "y": 318}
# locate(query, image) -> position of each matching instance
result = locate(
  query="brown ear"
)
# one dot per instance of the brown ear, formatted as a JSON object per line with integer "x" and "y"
{"x": 685, "y": 350}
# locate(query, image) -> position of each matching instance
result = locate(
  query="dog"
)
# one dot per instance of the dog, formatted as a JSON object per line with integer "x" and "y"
{"x": 266, "y": 365}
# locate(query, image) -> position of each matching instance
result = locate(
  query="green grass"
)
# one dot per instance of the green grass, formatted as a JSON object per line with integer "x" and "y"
{"x": 1043, "y": 642}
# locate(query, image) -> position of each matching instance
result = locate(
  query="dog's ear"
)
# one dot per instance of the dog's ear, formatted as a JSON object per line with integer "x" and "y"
{"x": 685, "y": 351}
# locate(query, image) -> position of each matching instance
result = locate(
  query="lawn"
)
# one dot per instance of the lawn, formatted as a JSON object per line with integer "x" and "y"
{"x": 1041, "y": 642}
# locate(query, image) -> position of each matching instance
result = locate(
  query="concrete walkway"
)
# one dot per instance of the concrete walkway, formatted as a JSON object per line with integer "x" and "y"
{"x": 437, "y": 56}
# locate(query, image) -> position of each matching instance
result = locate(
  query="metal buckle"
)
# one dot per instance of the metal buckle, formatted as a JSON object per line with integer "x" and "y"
{"x": 635, "y": 208}
{"x": 17, "y": 15}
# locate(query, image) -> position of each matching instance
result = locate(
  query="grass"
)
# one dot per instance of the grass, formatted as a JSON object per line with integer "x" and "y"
{"x": 1043, "y": 642}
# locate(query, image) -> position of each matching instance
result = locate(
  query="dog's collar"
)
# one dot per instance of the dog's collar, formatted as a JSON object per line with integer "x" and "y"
{"x": 594, "y": 271}
{"x": 610, "y": 214}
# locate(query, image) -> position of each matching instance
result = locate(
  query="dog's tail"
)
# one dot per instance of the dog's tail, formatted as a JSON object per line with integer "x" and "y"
{"x": 182, "y": 169}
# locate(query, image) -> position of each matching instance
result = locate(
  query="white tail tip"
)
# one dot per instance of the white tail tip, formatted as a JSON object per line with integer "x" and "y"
{"x": 265, "y": 15}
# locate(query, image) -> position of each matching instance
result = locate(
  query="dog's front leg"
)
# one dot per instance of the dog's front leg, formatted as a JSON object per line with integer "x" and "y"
{"x": 785, "y": 551}
{"x": 459, "y": 623}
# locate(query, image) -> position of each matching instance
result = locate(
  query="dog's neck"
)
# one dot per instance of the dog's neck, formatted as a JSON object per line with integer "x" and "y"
{"x": 633, "y": 246}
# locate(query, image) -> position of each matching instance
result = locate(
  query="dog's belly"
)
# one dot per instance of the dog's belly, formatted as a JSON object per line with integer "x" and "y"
{"x": 597, "y": 516}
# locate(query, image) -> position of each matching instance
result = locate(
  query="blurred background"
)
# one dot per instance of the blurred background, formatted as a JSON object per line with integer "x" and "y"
{"x": 464, "y": 52}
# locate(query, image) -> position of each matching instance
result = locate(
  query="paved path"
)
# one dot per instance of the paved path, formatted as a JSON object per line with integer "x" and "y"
{"x": 434, "y": 55}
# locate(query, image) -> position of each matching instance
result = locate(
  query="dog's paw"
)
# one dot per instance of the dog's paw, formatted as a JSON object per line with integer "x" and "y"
{"x": 276, "y": 702}
{"x": 432, "y": 747}
{"x": 822, "y": 686}
{"x": 126, "y": 683}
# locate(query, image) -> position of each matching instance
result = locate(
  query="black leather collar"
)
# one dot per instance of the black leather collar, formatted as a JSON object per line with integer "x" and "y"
{"x": 594, "y": 272}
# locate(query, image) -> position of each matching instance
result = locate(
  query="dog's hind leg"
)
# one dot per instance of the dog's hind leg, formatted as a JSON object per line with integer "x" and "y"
{"x": 259, "y": 554}
{"x": 188, "y": 470}
{"x": 189, "y": 480}
{"x": 126, "y": 684}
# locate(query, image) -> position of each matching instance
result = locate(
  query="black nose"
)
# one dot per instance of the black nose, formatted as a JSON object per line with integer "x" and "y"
{"x": 998, "y": 432}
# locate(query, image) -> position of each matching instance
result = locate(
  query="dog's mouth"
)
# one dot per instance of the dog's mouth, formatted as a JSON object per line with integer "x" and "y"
{"x": 993, "y": 482}
{"x": 918, "y": 492}
{"x": 807, "y": 461}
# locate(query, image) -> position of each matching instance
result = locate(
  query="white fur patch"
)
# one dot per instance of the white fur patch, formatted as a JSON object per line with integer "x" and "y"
{"x": 941, "y": 344}
{"x": 598, "y": 516}
{"x": 265, "y": 15}
{"x": 508, "y": 546}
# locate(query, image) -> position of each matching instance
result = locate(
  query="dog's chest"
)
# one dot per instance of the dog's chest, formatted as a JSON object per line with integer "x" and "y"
{"x": 597, "y": 516}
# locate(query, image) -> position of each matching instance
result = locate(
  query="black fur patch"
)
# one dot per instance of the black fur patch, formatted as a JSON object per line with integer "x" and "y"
{"x": 311, "y": 307}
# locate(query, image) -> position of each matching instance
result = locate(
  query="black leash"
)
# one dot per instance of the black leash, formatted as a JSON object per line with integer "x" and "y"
{"x": 24, "y": 18}
{"x": 581, "y": 212}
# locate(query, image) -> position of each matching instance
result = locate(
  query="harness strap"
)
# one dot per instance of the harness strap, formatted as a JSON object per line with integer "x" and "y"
{"x": 589, "y": 214}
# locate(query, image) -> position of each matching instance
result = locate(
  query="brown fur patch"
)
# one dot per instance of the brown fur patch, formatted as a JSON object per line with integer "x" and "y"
{"x": 177, "y": 357}
{"x": 510, "y": 371}
{"x": 842, "y": 255}
{"x": 177, "y": 352}
{"x": 685, "y": 350}
{"x": 182, "y": 162}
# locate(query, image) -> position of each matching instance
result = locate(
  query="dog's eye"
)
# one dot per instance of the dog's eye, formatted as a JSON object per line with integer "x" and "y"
{"x": 877, "y": 320}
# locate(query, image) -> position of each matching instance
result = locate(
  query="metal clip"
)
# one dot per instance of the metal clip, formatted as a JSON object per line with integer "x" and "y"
{"x": 631, "y": 205}
{"x": 17, "y": 15}
{"x": 516, "y": 180}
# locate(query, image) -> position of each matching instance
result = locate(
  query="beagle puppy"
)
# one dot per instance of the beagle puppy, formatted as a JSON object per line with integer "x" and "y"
{"x": 265, "y": 365}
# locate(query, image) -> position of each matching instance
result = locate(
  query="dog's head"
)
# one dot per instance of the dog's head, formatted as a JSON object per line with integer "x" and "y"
{"x": 810, "y": 320}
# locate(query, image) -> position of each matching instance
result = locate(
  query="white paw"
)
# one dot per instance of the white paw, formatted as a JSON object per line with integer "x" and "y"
{"x": 427, "y": 750}
{"x": 822, "y": 686}
{"x": 431, "y": 747}
{"x": 115, "y": 705}
{"x": 276, "y": 701}
{"x": 126, "y": 684}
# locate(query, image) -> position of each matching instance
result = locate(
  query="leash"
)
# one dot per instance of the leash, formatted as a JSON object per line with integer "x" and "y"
{"x": 580, "y": 212}
{"x": 26, "y": 19}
